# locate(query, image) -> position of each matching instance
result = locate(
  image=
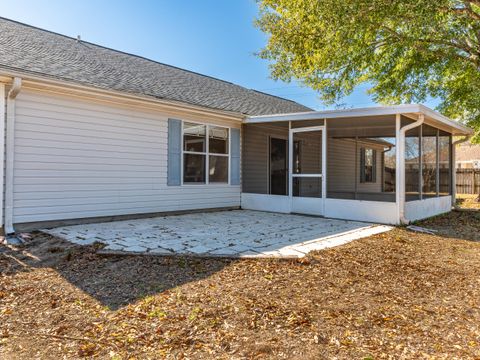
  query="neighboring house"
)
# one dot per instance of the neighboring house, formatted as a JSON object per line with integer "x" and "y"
{"x": 96, "y": 133}
{"x": 468, "y": 156}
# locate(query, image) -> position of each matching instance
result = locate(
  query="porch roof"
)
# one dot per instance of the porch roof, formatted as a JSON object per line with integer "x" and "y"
{"x": 432, "y": 117}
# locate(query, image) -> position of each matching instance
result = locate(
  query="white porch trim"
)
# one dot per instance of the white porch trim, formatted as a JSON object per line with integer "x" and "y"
{"x": 359, "y": 210}
{"x": 410, "y": 110}
{"x": 264, "y": 202}
{"x": 425, "y": 208}
{"x": 372, "y": 211}
{"x": 304, "y": 205}
{"x": 2, "y": 146}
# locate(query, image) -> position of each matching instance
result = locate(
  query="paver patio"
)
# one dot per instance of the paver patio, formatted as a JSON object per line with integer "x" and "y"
{"x": 236, "y": 233}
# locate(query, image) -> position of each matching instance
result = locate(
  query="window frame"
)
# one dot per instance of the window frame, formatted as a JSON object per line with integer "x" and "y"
{"x": 363, "y": 173}
{"x": 206, "y": 153}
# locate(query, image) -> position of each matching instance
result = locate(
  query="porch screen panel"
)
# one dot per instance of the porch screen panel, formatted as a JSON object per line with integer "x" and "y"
{"x": 307, "y": 164}
{"x": 429, "y": 161}
{"x": 445, "y": 163}
{"x": 390, "y": 166}
{"x": 307, "y": 187}
{"x": 265, "y": 158}
{"x": 361, "y": 158}
{"x": 412, "y": 164}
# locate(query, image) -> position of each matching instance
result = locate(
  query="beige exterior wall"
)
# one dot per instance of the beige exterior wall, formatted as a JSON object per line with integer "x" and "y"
{"x": 255, "y": 156}
{"x": 76, "y": 157}
{"x": 343, "y": 172}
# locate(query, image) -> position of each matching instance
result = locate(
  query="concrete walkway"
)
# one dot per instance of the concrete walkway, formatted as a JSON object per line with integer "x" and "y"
{"x": 238, "y": 233}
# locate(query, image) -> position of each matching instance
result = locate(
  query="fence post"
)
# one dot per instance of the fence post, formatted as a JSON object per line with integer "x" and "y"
{"x": 473, "y": 181}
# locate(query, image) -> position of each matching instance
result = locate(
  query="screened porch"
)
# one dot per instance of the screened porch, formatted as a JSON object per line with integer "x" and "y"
{"x": 349, "y": 167}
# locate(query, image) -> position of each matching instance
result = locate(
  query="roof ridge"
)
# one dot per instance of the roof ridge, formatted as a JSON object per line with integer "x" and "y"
{"x": 275, "y": 96}
{"x": 143, "y": 58}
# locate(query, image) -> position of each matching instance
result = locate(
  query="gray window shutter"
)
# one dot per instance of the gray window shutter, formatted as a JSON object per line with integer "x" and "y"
{"x": 235, "y": 157}
{"x": 174, "y": 152}
{"x": 374, "y": 167}
{"x": 362, "y": 165}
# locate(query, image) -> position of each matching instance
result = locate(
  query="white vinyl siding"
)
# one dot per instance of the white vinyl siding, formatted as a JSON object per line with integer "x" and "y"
{"x": 76, "y": 158}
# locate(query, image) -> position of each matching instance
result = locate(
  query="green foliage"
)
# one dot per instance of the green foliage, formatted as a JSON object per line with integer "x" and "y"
{"x": 407, "y": 49}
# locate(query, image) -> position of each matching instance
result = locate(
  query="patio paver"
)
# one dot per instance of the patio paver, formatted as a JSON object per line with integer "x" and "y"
{"x": 237, "y": 233}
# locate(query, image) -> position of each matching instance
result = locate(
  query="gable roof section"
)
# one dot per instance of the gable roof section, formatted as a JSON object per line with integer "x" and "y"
{"x": 41, "y": 52}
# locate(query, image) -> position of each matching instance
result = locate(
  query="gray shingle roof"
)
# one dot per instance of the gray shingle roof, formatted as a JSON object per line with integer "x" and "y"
{"x": 26, "y": 48}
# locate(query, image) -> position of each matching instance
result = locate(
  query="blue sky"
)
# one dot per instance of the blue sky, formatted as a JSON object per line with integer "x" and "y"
{"x": 212, "y": 37}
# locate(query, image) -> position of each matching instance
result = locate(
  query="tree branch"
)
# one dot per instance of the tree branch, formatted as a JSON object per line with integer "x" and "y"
{"x": 473, "y": 53}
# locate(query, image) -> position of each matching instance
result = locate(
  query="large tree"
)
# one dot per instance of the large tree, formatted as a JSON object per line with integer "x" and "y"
{"x": 406, "y": 49}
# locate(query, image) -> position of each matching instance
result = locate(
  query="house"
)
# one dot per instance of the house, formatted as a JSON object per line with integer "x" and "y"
{"x": 468, "y": 156}
{"x": 94, "y": 133}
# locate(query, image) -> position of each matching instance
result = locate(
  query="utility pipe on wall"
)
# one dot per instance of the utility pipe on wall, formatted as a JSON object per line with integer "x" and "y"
{"x": 9, "y": 150}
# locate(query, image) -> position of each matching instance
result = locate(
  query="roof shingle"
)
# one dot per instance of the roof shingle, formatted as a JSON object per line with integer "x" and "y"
{"x": 26, "y": 48}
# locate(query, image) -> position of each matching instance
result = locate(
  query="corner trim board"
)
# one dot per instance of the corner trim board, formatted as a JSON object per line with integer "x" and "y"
{"x": 9, "y": 153}
{"x": 2, "y": 146}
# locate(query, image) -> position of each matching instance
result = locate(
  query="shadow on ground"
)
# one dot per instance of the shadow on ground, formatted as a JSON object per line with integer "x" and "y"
{"x": 113, "y": 280}
{"x": 118, "y": 280}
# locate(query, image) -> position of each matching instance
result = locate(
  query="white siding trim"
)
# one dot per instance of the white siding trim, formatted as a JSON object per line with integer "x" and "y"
{"x": 10, "y": 154}
{"x": 263, "y": 202}
{"x": 2, "y": 147}
{"x": 372, "y": 211}
{"x": 422, "y": 209}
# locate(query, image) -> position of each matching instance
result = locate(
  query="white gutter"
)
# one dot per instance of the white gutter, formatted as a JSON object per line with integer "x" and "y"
{"x": 9, "y": 151}
{"x": 401, "y": 165}
{"x": 454, "y": 168}
{"x": 30, "y": 79}
{"x": 405, "y": 109}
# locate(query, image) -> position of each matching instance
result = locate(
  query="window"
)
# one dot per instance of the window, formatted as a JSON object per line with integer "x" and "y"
{"x": 368, "y": 163}
{"x": 205, "y": 154}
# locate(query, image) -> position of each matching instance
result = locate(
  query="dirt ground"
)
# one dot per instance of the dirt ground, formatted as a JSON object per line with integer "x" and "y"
{"x": 468, "y": 201}
{"x": 397, "y": 295}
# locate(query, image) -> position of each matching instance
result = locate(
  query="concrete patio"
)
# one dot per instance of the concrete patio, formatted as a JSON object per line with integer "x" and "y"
{"x": 237, "y": 233}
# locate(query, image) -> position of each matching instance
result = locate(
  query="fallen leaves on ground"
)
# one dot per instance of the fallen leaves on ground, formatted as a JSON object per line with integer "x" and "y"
{"x": 394, "y": 295}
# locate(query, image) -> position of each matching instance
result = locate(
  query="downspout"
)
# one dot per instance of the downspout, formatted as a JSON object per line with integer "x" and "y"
{"x": 9, "y": 152}
{"x": 454, "y": 169}
{"x": 401, "y": 166}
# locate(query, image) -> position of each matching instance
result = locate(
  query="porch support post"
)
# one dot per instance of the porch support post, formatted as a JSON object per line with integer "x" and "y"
{"x": 400, "y": 165}
{"x": 356, "y": 168}
{"x": 437, "y": 165}
{"x": 453, "y": 172}
{"x": 290, "y": 163}
{"x": 420, "y": 163}
{"x": 324, "y": 164}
